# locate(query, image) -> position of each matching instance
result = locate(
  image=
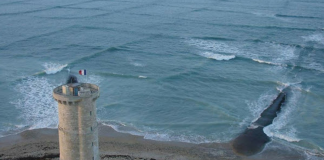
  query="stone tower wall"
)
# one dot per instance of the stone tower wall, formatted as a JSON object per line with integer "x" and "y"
{"x": 78, "y": 127}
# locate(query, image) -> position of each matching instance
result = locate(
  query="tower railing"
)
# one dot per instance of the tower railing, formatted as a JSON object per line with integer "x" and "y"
{"x": 93, "y": 88}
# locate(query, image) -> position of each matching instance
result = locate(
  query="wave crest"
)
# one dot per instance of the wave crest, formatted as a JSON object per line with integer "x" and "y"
{"x": 166, "y": 135}
{"x": 214, "y": 46}
{"x": 216, "y": 56}
{"x": 289, "y": 135}
{"x": 270, "y": 63}
{"x": 52, "y": 68}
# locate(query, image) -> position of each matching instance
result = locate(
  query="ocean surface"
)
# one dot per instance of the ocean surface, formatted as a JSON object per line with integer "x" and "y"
{"x": 197, "y": 71}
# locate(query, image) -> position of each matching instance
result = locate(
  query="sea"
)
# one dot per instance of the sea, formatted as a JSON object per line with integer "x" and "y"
{"x": 196, "y": 71}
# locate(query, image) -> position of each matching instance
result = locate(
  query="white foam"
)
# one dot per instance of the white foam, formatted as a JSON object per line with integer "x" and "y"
{"x": 52, "y": 68}
{"x": 275, "y": 54}
{"x": 165, "y": 135}
{"x": 253, "y": 126}
{"x": 214, "y": 46}
{"x": 318, "y": 38}
{"x": 270, "y": 15}
{"x": 123, "y": 128}
{"x": 266, "y": 62}
{"x": 142, "y": 77}
{"x": 36, "y": 105}
{"x": 284, "y": 85}
{"x": 281, "y": 127}
{"x": 284, "y": 53}
{"x": 309, "y": 62}
{"x": 308, "y": 89}
{"x": 256, "y": 107}
{"x": 289, "y": 135}
{"x": 218, "y": 57}
{"x": 136, "y": 64}
{"x": 244, "y": 123}
{"x": 196, "y": 139}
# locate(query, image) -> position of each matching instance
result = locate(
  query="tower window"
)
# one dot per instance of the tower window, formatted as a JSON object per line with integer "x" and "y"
{"x": 91, "y": 128}
{"x": 92, "y": 143}
{"x": 90, "y": 113}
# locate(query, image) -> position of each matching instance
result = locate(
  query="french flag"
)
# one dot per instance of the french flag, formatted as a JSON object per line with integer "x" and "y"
{"x": 83, "y": 72}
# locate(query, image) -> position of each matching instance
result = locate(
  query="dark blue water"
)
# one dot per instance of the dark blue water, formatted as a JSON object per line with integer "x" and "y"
{"x": 192, "y": 71}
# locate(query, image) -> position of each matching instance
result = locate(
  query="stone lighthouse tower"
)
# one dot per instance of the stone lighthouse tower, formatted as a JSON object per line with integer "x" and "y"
{"x": 78, "y": 127}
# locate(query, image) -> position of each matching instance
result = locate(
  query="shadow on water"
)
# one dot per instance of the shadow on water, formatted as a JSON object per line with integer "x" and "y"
{"x": 253, "y": 139}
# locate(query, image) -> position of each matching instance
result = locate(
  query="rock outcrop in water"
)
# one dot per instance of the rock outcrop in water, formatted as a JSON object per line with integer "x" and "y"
{"x": 253, "y": 139}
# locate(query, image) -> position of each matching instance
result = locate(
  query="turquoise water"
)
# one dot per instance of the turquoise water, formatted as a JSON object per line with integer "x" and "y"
{"x": 194, "y": 71}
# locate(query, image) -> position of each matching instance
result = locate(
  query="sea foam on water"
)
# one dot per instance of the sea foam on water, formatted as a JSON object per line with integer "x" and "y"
{"x": 52, "y": 68}
{"x": 38, "y": 108}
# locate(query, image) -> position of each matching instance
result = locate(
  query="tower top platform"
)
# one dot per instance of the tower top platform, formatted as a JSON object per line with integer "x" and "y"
{"x": 75, "y": 91}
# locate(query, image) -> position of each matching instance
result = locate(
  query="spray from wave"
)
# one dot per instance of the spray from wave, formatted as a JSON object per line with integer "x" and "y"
{"x": 37, "y": 107}
{"x": 52, "y": 68}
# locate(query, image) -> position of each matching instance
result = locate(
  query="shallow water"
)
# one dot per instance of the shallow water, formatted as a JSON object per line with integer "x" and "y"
{"x": 194, "y": 71}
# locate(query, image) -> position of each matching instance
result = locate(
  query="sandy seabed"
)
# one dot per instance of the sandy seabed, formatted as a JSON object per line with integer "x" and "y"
{"x": 42, "y": 144}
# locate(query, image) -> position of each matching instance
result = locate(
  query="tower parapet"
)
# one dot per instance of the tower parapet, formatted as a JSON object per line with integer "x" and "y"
{"x": 78, "y": 127}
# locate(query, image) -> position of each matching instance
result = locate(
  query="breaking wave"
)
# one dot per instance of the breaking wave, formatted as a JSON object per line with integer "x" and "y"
{"x": 281, "y": 127}
{"x": 256, "y": 107}
{"x": 218, "y": 57}
{"x": 165, "y": 135}
{"x": 270, "y": 63}
{"x": 213, "y": 46}
{"x": 52, "y": 68}
{"x": 289, "y": 135}
{"x": 278, "y": 54}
